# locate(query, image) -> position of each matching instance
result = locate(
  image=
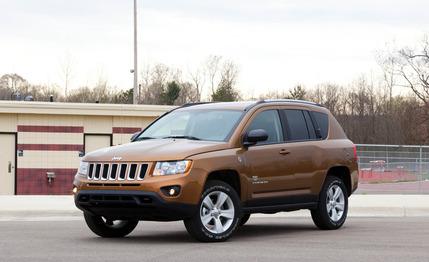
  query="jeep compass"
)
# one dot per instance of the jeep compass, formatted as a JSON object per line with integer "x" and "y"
{"x": 212, "y": 165}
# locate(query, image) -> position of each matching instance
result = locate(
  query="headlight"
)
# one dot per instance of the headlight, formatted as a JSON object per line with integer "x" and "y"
{"x": 171, "y": 167}
{"x": 83, "y": 168}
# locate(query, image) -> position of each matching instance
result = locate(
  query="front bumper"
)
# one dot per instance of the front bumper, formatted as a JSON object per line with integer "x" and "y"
{"x": 132, "y": 204}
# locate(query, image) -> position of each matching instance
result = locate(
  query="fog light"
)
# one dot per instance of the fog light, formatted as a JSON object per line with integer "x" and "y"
{"x": 74, "y": 190}
{"x": 171, "y": 191}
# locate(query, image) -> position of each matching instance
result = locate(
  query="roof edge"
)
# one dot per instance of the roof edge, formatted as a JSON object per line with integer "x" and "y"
{"x": 59, "y": 108}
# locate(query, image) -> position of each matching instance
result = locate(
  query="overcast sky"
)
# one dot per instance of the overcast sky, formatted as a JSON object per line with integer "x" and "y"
{"x": 276, "y": 43}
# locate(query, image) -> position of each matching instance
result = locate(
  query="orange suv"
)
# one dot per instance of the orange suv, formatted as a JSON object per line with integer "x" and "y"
{"x": 212, "y": 165}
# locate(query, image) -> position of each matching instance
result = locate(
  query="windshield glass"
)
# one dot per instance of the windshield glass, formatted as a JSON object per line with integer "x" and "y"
{"x": 212, "y": 125}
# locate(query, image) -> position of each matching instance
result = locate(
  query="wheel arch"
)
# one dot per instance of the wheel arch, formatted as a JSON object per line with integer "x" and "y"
{"x": 229, "y": 176}
{"x": 343, "y": 173}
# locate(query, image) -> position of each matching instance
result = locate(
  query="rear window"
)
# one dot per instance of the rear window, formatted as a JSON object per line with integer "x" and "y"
{"x": 322, "y": 122}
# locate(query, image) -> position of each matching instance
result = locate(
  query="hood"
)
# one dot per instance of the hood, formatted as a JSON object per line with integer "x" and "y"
{"x": 154, "y": 150}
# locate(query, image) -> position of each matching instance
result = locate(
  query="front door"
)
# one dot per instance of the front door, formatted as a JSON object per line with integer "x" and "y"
{"x": 265, "y": 161}
{"x": 7, "y": 164}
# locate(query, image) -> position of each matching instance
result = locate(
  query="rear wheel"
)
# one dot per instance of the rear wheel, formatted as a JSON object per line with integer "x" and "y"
{"x": 331, "y": 212}
{"x": 218, "y": 213}
{"x": 109, "y": 228}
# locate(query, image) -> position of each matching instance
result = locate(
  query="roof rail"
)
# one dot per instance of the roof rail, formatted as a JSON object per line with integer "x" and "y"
{"x": 283, "y": 100}
{"x": 194, "y": 104}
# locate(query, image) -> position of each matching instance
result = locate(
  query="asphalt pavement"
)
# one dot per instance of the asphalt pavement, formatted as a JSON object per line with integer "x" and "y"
{"x": 262, "y": 239}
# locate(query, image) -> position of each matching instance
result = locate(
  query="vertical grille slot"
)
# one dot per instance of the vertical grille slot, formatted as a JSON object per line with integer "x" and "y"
{"x": 97, "y": 171}
{"x": 143, "y": 169}
{"x": 123, "y": 172}
{"x": 91, "y": 170}
{"x": 132, "y": 172}
{"x": 113, "y": 171}
{"x": 105, "y": 174}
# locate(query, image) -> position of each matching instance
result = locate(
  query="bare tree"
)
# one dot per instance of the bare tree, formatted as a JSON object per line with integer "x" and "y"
{"x": 408, "y": 67}
{"x": 66, "y": 72}
{"x": 198, "y": 81}
{"x": 212, "y": 69}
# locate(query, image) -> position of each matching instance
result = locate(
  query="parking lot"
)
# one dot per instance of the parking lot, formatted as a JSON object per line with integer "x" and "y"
{"x": 263, "y": 239}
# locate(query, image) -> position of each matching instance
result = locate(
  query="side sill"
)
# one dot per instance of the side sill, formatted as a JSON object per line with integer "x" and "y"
{"x": 279, "y": 208}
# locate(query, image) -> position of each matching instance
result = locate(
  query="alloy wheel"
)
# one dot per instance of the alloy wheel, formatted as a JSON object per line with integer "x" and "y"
{"x": 335, "y": 203}
{"x": 217, "y": 212}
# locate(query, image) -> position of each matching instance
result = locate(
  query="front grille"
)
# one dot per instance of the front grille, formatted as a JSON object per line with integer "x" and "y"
{"x": 117, "y": 172}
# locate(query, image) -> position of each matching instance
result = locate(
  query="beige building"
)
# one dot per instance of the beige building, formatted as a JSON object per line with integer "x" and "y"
{"x": 41, "y": 143}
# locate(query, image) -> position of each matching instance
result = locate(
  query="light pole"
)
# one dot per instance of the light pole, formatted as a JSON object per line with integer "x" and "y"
{"x": 135, "y": 70}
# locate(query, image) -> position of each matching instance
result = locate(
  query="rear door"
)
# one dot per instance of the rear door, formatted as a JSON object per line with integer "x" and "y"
{"x": 304, "y": 155}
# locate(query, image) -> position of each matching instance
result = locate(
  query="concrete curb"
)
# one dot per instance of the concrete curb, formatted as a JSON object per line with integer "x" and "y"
{"x": 23, "y": 208}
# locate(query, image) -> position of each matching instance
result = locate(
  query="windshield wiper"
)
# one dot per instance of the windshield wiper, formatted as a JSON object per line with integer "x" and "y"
{"x": 184, "y": 137}
{"x": 144, "y": 138}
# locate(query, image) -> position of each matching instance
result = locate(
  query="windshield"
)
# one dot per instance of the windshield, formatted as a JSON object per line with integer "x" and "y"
{"x": 212, "y": 125}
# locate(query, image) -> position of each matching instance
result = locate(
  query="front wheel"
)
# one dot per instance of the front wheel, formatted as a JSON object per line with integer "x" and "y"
{"x": 218, "y": 213}
{"x": 331, "y": 212}
{"x": 109, "y": 228}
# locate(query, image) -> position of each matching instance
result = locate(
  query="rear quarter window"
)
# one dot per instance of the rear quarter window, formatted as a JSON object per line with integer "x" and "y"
{"x": 323, "y": 123}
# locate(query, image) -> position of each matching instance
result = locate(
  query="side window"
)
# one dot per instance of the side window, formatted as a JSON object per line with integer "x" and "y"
{"x": 268, "y": 120}
{"x": 296, "y": 125}
{"x": 322, "y": 122}
{"x": 310, "y": 126}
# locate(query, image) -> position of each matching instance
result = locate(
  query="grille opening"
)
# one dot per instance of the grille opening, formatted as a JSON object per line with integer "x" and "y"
{"x": 105, "y": 171}
{"x": 113, "y": 171}
{"x": 132, "y": 173}
{"x": 143, "y": 170}
{"x": 117, "y": 171}
{"x": 110, "y": 198}
{"x": 91, "y": 168}
{"x": 123, "y": 171}
{"x": 145, "y": 199}
{"x": 83, "y": 198}
{"x": 99, "y": 198}
{"x": 97, "y": 171}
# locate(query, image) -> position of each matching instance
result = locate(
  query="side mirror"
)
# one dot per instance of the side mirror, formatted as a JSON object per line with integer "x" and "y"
{"x": 254, "y": 136}
{"x": 134, "y": 136}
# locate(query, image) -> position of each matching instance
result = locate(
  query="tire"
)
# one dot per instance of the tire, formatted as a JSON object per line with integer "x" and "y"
{"x": 244, "y": 219}
{"x": 332, "y": 199}
{"x": 215, "y": 221}
{"x": 109, "y": 229}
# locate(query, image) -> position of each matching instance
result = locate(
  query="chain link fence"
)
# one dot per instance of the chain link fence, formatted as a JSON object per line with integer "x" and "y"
{"x": 387, "y": 169}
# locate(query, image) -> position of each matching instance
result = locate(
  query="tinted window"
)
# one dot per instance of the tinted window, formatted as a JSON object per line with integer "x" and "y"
{"x": 269, "y": 121}
{"x": 297, "y": 127}
{"x": 310, "y": 125}
{"x": 322, "y": 122}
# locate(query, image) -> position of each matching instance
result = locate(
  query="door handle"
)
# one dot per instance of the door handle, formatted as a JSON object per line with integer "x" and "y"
{"x": 9, "y": 167}
{"x": 284, "y": 152}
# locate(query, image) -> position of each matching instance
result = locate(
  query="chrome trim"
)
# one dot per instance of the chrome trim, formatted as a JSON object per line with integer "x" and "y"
{"x": 116, "y": 176}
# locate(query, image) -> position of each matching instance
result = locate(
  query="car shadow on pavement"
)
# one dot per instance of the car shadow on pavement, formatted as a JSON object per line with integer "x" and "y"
{"x": 248, "y": 231}
{"x": 258, "y": 230}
